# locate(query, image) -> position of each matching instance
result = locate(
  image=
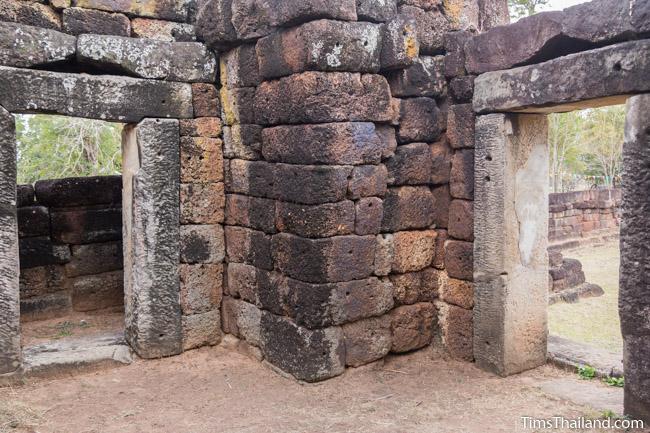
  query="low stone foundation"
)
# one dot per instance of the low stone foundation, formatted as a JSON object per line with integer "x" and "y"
{"x": 70, "y": 246}
{"x": 567, "y": 281}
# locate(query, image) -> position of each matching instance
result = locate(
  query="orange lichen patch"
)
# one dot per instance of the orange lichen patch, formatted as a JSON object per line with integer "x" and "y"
{"x": 453, "y": 10}
{"x": 411, "y": 44}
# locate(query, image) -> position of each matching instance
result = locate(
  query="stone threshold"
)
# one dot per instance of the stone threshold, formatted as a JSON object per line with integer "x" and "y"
{"x": 574, "y": 294}
{"x": 570, "y": 355}
{"x": 71, "y": 356}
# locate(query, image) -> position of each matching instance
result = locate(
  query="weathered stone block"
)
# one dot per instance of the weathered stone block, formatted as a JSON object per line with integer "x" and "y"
{"x": 96, "y": 292}
{"x": 238, "y": 105}
{"x": 92, "y": 96}
{"x": 86, "y": 226}
{"x": 307, "y": 355}
{"x": 461, "y": 220}
{"x": 202, "y": 329}
{"x": 461, "y": 184}
{"x": 367, "y": 340}
{"x": 41, "y": 251}
{"x": 384, "y": 252}
{"x": 243, "y": 142}
{"x": 412, "y": 164}
{"x": 172, "y": 10}
{"x": 459, "y": 259}
{"x": 461, "y": 89}
{"x": 321, "y": 45}
{"x": 456, "y": 328}
{"x": 369, "y": 214}
{"x": 79, "y": 21}
{"x": 24, "y": 195}
{"x": 260, "y": 287}
{"x": 201, "y": 287}
{"x": 202, "y": 244}
{"x": 201, "y": 127}
{"x": 420, "y": 120}
{"x": 33, "y": 221}
{"x": 431, "y": 27}
{"x": 239, "y": 67}
{"x": 318, "y": 221}
{"x": 440, "y": 162}
{"x": 214, "y": 23}
{"x": 442, "y": 199}
{"x": 253, "y": 247}
{"x": 412, "y": 326}
{"x": 460, "y": 126}
{"x": 205, "y": 100}
{"x": 413, "y": 287}
{"x": 45, "y": 307}
{"x": 310, "y": 184}
{"x": 323, "y": 305}
{"x": 148, "y": 58}
{"x": 242, "y": 320}
{"x": 253, "y": 212}
{"x": 439, "y": 258}
{"x": 330, "y": 143}
{"x": 201, "y": 160}
{"x": 458, "y": 292}
{"x": 41, "y": 280}
{"x": 256, "y": 178}
{"x": 25, "y": 46}
{"x": 413, "y": 251}
{"x": 408, "y": 207}
{"x": 568, "y": 81}
{"x": 94, "y": 259}
{"x": 30, "y": 13}
{"x": 79, "y": 191}
{"x": 161, "y": 30}
{"x": 341, "y": 258}
{"x": 401, "y": 46}
{"x": 317, "y": 97}
{"x": 454, "y": 64}
{"x": 376, "y": 10}
{"x": 202, "y": 203}
{"x": 424, "y": 78}
{"x": 368, "y": 181}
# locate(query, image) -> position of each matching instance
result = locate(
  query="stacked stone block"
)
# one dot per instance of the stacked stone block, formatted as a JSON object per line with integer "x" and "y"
{"x": 70, "y": 234}
{"x": 343, "y": 179}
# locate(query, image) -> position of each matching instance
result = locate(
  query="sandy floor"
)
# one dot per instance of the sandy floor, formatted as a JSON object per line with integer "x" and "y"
{"x": 216, "y": 390}
{"x": 72, "y": 326}
{"x": 593, "y": 321}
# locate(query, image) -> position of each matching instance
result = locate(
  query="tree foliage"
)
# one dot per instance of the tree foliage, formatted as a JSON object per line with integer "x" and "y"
{"x": 524, "y": 8}
{"x": 52, "y": 147}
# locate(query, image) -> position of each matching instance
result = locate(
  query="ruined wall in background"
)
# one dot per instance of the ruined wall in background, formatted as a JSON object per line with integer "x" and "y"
{"x": 580, "y": 217}
{"x": 70, "y": 246}
{"x": 348, "y": 145}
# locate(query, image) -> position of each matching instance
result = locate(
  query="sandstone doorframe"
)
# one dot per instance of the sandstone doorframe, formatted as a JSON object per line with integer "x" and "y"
{"x": 152, "y": 169}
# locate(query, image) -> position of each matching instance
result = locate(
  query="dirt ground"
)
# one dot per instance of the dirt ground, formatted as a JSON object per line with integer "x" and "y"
{"x": 593, "y": 321}
{"x": 218, "y": 390}
{"x": 72, "y": 326}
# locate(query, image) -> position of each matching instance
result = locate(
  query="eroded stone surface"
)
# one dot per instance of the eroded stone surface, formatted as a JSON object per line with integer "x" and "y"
{"x": 25, "y": 46}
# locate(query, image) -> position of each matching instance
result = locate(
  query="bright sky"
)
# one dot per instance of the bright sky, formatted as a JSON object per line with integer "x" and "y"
{"x": 558, "y": 5}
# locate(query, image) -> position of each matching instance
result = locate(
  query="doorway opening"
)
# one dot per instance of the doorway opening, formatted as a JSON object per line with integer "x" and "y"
{"x": 69, "y": 208}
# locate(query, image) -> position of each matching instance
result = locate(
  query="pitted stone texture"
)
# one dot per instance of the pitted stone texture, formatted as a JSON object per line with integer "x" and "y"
{"x": 151, "y": 211}
{"x": 242, "y": 142}
{"x": 77, "y": 21}
{"x": 30, "y": 13}
{"x": 340, "y": 258}
{"x": 161, "y": 30}
{"x": 25, "y": 46}
{"x": 35, "y": 221}
{"x": 202, "y": 203}
{"x": 209, "y": 127}
{"x": 97, "y": 97}
{"x": 172, "y": 10}
{"x": 264, "y": 289}
{"x": 319, "y": 221}
{"x": 408, "y": 207}
{"x": 549, "y": 35}
{"x": 242, "y": 320}
{"x": 202, "y": 244}
{"x": 384, "y": 251}
{"x": 147, "y": 58}
{"x": 368, "y": 181}
{"x": 96, "y": 292}
{"x": 510, "y": 260}
{"x": 329, "y": 143}
{"x": 401, "y": 46}
{"x": 367, "y": 340}
{"x": 493, "y": 13}
{"x": 460, "y": 126}
{"x": 239, "y": 67}
{"x": 431, "y": 27}
{"x": 456, "y": 328}
{"x": 369, "y": 214}
{"x": 635, "y": 279}
{"x": 461, "y": 184}
{"x": 413, "y": 250}
{"x": 10, "y": 352}
{"x": 424, "y": 78}
{"x": 253, "y": 247}
{"x": 79, "y": 191}
{"x": 253, "y": 212}
{"x": 458, "y": 292}
{"x": 321, "y": 45}
{"x": 412, "y": 326}
{"x": 237, "y": 105}
{"x": 307, "y": 355}
{"x": 413, "y": 287}
{"x": 85, "y": 226}
{"x": 214, "y": 23}
{"x": 376, "y": 10}
{"x": 592, "y": 78}
{"x": 202, "y": 329}
{"x": 441, "y": 162}
{"x": 459, "y": 259}
{"x": 318, "y": 97}
{"x": 201, "y": 160}
{"x": 323, "y": 305}
{"x": 420, "y": 120}
{"x": 205, "y": 100}
{"x": 412, "y": 164}
{"x": 41, "y": 251}
{"x": 461, "y": 220}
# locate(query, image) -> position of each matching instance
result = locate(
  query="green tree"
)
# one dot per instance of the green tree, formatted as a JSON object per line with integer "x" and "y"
{"x": 564, "y": 137}
{"x": 603, "y": 142}
{"x": 52, "y": 147}
{"x": 524, "y": 8}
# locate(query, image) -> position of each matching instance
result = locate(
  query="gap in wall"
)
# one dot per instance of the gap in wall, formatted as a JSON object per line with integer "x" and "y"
{"x": 70, "y": 228}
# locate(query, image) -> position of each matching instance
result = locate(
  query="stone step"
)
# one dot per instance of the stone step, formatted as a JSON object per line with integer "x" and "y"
{"x": 570, "y": 355}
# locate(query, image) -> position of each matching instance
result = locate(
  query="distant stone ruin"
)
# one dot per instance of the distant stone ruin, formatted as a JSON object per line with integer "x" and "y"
{"x": 334, "y": 181}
